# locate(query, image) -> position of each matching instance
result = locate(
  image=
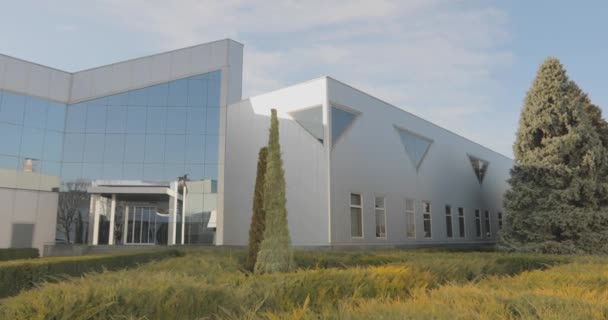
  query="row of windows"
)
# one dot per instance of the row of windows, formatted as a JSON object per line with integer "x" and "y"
{"x": 31, "y": 112}
{"x": 356, "y": 217}
{"x": 137, "y": 119}
{"x": 136, "y": 171}
{"x": 139, "y": 148}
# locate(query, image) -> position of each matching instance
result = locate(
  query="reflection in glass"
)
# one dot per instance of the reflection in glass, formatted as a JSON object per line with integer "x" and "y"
{"x": 12, "y": 108}
{"x": 213, "y": 121}
{"x": 96, "y": 118}
{"x": 116, "y": 119}
{"x": 156, "y": 120}
{"x": 35, "y": 112}
{"x": 135, "y": 148}
{"x": 93, "y": 147}
{"x": 10, "y": 137}
{"x": 114, "y": 148}
{"x": 73, "y": 147}
{"x": 174, "y": 148}
{"x": 32, "y": 142}
{"x": 176, "y": 120}
{"x": 55, "y": 116}
{"x": 195, "y": 149}
{"x": 136, "y": 120}
{"x": 155, "y": 147}
{"x": 76, "y": 118}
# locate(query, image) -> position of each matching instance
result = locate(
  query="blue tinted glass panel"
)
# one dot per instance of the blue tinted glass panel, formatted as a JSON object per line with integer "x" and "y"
{"x": 172, "y": 171}
{"x": 340, "y": 121}
{"x": 115, "y": 148}
{"x": 196, "y": 121}
{"x": 32, "y": 141}
{"x": 153, "y": 172}
{"x": 213, "y": 121}
{"x": 176, "y": 120}
{"x": 195, "y": 148}
{"x": 213, "y": 90}
{"x": 174, "y": 148}
{"x": 197, "y": 93}
{"x": 415, "y": 146}
{"x": 116, "y": 119}
{"x": 35, "y": 112}
{"x": 93, "y": 147}
{"x": 112, "y": 171}
{"x": 195, "y": 171}
{"x": 133, "y": 171}
{"x": 8, "y": 162}
{"x": 73, "y": 148}
{"x": 92, "y": 171}
{"x": 211, "y": 149}
{"x": 178, "y": 93}
{"x": 53, "y": 142}
{"x": 121, "y": 99}
{"x": 10, "y": 139}
{"x": 136, "y": 120}
{"x": 135, "y": 148}
{"x": 55, "y": 119}
{"x": 155, "y": 148}
{"x": 157, "y": 95}
{"x": 156, "y": 120}
{"x": 211, "y": 171}
{"x": 71, "y": 171}
{"x": 13, "y": 108}
{"x": 52, "y": 168}
{"x": 103, "y": 101}
{"x": 96, "y": 118}
{"x": 76, "y": 118}
{"x": 138, "y": 97}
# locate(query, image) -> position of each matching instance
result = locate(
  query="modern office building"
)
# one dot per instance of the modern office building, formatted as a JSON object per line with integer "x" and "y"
{"x": 109, "y": 148}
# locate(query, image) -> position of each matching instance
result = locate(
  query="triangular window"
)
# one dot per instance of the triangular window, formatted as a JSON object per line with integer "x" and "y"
{"x": 311, "y": 119}
{"x": 340, "y": 121}
{"x": 416, "y": 146}
{"x": 480, "y": 167}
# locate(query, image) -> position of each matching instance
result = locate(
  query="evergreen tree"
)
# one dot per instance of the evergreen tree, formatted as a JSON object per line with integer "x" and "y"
{"x": 258, "y": 219}
{"x": 276, "y": 254}
{"x": 558, "y": 185}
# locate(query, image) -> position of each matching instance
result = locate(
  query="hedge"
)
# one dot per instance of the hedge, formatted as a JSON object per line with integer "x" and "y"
{"x": 24, "y": 274}
{"x": 18, "y": 253}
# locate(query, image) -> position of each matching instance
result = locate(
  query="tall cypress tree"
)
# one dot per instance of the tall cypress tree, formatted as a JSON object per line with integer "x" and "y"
{"x": 558, "y": 185}
{"x": 276, "y": 254}
{"x": 258, "y": 219}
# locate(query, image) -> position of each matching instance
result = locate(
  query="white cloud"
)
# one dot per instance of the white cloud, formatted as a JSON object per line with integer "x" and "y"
{"x": 431, "y": 57}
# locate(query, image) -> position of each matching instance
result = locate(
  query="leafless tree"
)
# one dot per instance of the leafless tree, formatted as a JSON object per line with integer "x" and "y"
{"x": 71, "y": 199}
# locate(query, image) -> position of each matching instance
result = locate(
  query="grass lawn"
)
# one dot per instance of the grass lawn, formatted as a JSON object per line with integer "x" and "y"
{"x": 396, "y": 284}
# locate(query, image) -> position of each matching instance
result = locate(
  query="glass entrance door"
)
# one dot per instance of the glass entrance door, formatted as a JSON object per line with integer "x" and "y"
{"x": 146, "y": 226}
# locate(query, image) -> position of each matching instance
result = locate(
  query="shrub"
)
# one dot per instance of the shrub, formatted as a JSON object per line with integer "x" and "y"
{"x": 18, "y": 253}
{"x": 23, "y": 274}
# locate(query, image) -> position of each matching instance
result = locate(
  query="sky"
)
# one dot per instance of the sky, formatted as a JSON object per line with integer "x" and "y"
{"x": 464, "y": 65}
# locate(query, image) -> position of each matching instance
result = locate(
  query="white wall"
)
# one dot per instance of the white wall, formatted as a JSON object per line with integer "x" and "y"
{"x": 370, "y": 159}
{"x": 28, "y": 206}
{"x": 32, "y": 79}
{"x": 304, "y": 160}
{"x": 159, "y": 68}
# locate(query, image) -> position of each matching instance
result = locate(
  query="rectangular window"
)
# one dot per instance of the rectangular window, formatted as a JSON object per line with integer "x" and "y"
{"x": 448, "y": 221}
{"x": 426, "y": 218}
{"x": 380, "y": 217}
{"x": 410, "y": 219}
{"x": 499, "y": 220}
{"x": 356, "y": 218}
{"x": 487, "y": 223}
{"x": 461, "y": 229}
{"x": 477, "y": 223}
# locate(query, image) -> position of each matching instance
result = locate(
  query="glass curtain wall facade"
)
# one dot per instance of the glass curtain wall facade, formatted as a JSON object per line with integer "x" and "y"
{"x": 31, "y": 133}
{"x": 157, "y": 133}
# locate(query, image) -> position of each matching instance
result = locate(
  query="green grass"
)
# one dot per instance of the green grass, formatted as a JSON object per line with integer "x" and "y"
{"x": 423, "y": 284}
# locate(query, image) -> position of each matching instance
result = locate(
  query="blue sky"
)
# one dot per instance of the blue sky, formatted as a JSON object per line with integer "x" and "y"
{"x": 464, "y": 65}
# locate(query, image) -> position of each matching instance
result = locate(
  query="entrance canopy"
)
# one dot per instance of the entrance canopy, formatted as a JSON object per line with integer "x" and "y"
{"x": 140, "y": 212}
